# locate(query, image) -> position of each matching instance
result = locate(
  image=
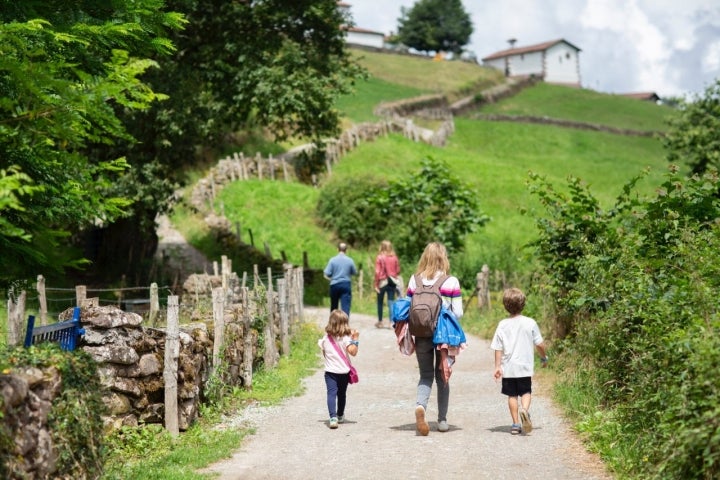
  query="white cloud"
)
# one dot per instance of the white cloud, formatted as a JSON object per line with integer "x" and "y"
{"x": 711, "y": 59}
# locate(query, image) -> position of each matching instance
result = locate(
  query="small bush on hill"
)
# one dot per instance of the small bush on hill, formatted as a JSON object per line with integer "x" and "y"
{"x": 429, "y": 205}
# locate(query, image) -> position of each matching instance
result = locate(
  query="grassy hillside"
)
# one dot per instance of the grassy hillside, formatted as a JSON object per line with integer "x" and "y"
{"x": 545, "y": 100}
{"x": 493, "y": 157}
{"x": 425, "y": 74}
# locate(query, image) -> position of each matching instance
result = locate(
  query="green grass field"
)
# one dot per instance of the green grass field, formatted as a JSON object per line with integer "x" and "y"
{"x": 545, "y": 100}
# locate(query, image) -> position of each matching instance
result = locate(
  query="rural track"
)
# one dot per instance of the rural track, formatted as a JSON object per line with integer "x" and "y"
{"x": 292, "y": 440}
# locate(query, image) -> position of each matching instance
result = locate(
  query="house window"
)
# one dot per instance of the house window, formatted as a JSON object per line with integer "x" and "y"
{"x": 567, "y": 55}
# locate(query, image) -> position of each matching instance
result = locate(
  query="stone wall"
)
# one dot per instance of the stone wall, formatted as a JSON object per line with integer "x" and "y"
{"x": 130, "y": 362}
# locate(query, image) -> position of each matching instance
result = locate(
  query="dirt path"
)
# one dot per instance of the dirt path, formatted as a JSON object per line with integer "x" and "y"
{"x": 293, "y": 441}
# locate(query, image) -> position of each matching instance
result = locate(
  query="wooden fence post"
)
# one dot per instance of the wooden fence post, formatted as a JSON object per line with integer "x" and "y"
{"x": 247, "y": 344}
{"x": 16, "y": 315}
{"x": 218, "y": 300}
{"x": 80, "y": 294}
{"x": 170, "y": 372}
{"x": 270, "y": 357}
{"x": 482, "y": 287}
{"x": 287, "y": 275}
{"x": 284, "y": 322}
{"x": 42, "y": 296}
{"x": 154, "y": 304}
{"x": 300, "y": 281}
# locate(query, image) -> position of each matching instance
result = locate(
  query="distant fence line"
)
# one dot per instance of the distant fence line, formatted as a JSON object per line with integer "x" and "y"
{"x": 149, "y": 305}
{"x": 567, "y": 124}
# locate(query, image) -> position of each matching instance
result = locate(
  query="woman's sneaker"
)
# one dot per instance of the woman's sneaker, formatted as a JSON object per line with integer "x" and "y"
{"x": 341, "y": 418}
{"x": 422, "y": 426}
{"x": 515, "y": 429}
{"x": 443, "y": 426}
{"x": 525, "y": 420}
{"x": 333, "y": 422}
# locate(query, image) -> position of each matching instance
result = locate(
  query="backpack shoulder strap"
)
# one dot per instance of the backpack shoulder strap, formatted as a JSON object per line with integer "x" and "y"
{"x": 439, "y": 283}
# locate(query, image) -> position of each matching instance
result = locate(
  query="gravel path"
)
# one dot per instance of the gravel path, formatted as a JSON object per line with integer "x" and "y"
{"x": 378, "y": 440}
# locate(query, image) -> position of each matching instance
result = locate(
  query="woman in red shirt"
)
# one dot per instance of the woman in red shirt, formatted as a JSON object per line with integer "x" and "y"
{"x": 387, "y": 278}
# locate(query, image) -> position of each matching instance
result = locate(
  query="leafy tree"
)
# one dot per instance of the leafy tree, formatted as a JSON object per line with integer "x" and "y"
{"x": 66, "y": 69}
{"x": 272, "y": 65}
{"x": 694, "y": 136}
{"x": 435, "y": 25}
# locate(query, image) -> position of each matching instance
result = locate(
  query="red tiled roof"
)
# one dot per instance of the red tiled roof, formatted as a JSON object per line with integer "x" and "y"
{"x": 531, "y": 48}
{"x": 364, "y": 30}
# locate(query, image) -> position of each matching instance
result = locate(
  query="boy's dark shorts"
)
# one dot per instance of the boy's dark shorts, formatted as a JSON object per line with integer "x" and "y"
{"x": 516, "y": 387}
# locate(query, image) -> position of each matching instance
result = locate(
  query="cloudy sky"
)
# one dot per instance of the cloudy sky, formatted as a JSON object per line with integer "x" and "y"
{"x": 670, "y": 47}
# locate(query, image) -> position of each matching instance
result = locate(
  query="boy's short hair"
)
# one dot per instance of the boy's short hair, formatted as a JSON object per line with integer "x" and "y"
{"x": 513, "y": 300}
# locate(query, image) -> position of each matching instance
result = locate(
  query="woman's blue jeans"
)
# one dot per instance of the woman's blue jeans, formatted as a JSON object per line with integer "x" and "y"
{"x": 429, "y": 358}
{"x": 390, "y": 291}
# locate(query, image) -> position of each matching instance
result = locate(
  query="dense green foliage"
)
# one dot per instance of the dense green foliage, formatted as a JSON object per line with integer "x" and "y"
{"x": 100, "y": 154}
{"x": 435, "y": 26}
{"x": 641, "y": 294}
{"x": 694, "y": 136}
{"x": 428, "y": 205}
{"x": 74, "y": 419}
{"x": 65, "y": 72}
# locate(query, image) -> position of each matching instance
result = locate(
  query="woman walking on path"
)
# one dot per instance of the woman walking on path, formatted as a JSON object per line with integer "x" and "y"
{"x": 339, "y": 341}
{"x": 433, "y": 265}
{"x": 387, "y": 281}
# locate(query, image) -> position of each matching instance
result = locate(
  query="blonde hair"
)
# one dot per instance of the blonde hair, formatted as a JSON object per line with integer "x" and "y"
{"x": 338, "y": 324}
{"x": 514, "y": 300}
{"x": 386, "y": 248}
{"x": 434, "y": 259}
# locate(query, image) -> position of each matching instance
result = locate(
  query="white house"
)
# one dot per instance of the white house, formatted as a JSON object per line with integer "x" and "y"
{"x": 364, "y": 37}
{"x": 556, "y": 61}
{"x": 361, "y": 36}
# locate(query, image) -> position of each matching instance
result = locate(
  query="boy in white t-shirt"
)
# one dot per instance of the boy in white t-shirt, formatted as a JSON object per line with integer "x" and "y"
{"x": 514, "y": 343}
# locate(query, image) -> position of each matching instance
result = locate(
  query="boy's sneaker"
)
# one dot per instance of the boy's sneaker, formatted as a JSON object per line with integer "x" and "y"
{"x": 525, "y": 420}
{"x": 422, "y": 426}
{"x": 443, "y": 426}
{"x": 515, "y": 429}
{"x": 379, "y": 325}
{"x": 333, "y": 422}
{"x": 341, "y": 418}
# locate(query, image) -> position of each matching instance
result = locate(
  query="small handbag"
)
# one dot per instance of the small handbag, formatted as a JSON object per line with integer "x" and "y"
{"x": 353, "y": 373}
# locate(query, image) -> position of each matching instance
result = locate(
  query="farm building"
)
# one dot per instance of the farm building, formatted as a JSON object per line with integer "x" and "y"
{"x": 361, "y": 36}
{"x": 556, "y": 61}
